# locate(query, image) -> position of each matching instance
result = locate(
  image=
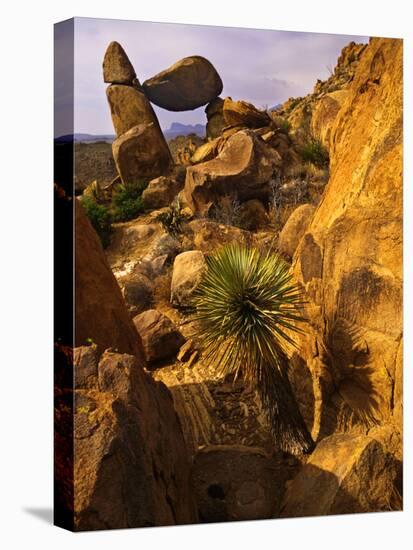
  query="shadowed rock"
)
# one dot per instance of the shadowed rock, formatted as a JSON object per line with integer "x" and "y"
{"x": 117, "y": 69}
{"x": 294, "y": 229}
{"x": 243, "y": 167}
{"x": 188, "y": 84}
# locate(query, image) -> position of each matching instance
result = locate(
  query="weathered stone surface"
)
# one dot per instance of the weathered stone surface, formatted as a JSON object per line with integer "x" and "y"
{"x": 207, "y": 151}
{"x": 242, "y": 113}
{"x": 324, "y": 113}
{"x": 85, "y": 362}
{"x": 187, "y": 273}
{"x": 346, "y": 473}
{"x": 216, "y": 122}
{"x": 294, "y": 229}
{"x": 129, "y": 107}
{"x": 100, "y": 312}
{"x": 160, "y": 337}
{"x": 138, "y": 292}
{"x": 117, "y": 69}
{"x": 161, "y": 192}
{"x": 141, "y": 153}
{"x": 350, "y": 259}
{"x": 242, "y": 168}
{"x": 131, "y": 468}
{"x": 235, "y": 483}
{"x": 188, "y": 84}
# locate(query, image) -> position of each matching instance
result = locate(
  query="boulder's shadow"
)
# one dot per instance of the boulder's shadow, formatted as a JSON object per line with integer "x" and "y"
{"x": 44, "y": 514}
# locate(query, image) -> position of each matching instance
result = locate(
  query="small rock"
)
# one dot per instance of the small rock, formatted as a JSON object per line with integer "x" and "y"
{"x": 160, "y": 192}
{"x": 138, "y": 293}
{"x": 295, "y": 228}
{"x": 187, "y": 273}
{"x": 160, "y": 337}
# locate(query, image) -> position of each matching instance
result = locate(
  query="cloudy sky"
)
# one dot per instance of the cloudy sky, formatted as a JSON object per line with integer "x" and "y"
{"x": 261, "y": 66}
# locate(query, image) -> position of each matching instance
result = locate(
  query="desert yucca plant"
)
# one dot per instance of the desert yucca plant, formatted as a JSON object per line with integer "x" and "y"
{"x": 247, "y": 307}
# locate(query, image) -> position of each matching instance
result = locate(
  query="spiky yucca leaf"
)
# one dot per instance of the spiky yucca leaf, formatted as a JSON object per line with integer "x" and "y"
{"x": 247, "y": 307}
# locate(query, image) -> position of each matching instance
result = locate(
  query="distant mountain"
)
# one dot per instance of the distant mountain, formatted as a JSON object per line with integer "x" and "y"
{"x": 276, "y": 107}
{"x": 178, "y": 129}
{"x": 85, "y": 138}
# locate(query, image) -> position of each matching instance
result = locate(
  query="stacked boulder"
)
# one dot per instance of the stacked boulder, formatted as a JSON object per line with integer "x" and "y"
{"x": 140, "y": 149}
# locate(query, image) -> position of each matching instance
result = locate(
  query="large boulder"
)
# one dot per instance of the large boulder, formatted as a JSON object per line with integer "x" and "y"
{"x": 324, "y": 113}
{"x": 294, "y": 229}
{"x": 242, "y": 113}
{"x": 161, "y": 192}
{"x": 141, "y": 152}
{"x": 129, "y": 107}
{"x": 117, "y": 69}
{"x": 188, "y": 270}
{"x": 160, "y": 337}
{"x": 236, "y": 483}
{"x": 215, "y": 117}
{"x": 350, "y": 259}
{"x": 346, "y": 473}
{"x": 100, "y": 312}
{"x": 131, "y": 467}
{"x": 243, "y": 168}
{"x": 188, "y": 84}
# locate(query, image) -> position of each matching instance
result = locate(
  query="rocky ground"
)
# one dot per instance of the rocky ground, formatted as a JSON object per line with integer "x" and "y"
{"x": 319, "y": 181}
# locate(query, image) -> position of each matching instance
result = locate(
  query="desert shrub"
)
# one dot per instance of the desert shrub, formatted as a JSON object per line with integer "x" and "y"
{"x": 313, "y": 151}
{"x": 127, "y": 201}
{"x": 100, "y": 217}
{"x": 226, "y": 211}
{"x": 285, "y": 125}
{"x": 172, "y": 219}
{"x": 247, "y": 309}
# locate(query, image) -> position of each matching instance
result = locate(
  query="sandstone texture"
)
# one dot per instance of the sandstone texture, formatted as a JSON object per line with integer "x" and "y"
{"x": 294, "y": 229}
{"x": 188, "y": 84}
{"x": 100, "y": 312}
{"x": 215, "y": 118}
{"x": 346, "y": 474}
{"x": 160, "y": 337}
{"x": 187, "y": 273}
{"x": 244, "y": 114}
{"x": 350, "y": 259}
{"x": 131, "y": 469}
{"x": 161, "y": 192}
{"x": 117, "y": 69}
{"x": 242, "y": 168}
{"x": 141, "y": 152}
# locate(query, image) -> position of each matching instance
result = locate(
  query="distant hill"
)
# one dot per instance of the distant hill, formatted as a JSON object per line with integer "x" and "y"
{"x": 178, "y": 129}
{"x": 85, "y": 138}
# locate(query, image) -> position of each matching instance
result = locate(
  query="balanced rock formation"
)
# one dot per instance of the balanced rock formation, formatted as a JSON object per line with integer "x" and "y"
{"x": 117, "y": 69}
{"x": 187, "y": 273}
{"x": 140, "y": 150}
{"x": 243, "y": 168}
{"x": 188, "y": 84}
{"x": 160, "y": 337}
{"x": 215, "y": 117}
{"x": 294, "y": 229}
{"x": 346, "y": 473}
{"x": 100, "y": 313}
{"x": 350, "y": 259}
{"x": 131, "y": 468}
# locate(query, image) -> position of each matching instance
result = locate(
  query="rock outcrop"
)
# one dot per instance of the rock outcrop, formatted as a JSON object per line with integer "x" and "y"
{"x": 350, "y": 259}
{"x": 100, "y": 313}
{"x": 294, "y": 229}
{"x": 243, "y": 114}
{"x": 188, "y": 84}
{"x": 243, "y": 168}
{"x": 346, "y": 474}
{"x": 131, "y": 468}
{"x": 117, "y": 69}
{"x": 215, "y": 118}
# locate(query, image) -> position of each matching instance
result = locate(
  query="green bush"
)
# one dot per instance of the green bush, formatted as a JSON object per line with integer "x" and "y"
{"x": 285, "y": 125}
{"x": 314, "y": 152}
{"x": 246, "y": 309}
{"x": 100, "y": 217}
{"x": 172, "y": 219}
{"x": 127, "y": 201}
